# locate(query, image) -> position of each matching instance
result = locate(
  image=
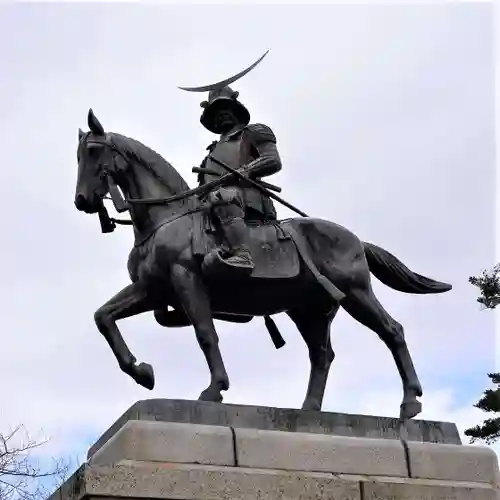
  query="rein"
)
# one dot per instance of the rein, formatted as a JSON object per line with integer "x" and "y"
{"x": 200, "y": 190}
{"x": 128, "y": 222}
{"x": 121, "y": 204}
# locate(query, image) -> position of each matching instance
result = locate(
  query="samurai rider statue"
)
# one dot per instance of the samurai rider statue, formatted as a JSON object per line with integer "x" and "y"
{"x": 250, "y": 149}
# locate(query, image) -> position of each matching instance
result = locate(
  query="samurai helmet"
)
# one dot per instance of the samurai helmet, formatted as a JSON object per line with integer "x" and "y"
{"x": 218, "y": 99}
{"x": 222, "y": 96}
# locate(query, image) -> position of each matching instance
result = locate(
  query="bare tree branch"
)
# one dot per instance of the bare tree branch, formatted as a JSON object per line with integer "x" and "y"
{"x": 21, "y": 478}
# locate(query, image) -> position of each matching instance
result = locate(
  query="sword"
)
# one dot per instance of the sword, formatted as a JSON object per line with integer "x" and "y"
{"x": 208, "y": 171}
{"x": 258, "y": 186}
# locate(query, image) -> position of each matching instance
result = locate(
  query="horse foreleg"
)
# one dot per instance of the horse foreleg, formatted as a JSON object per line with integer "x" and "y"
{"x": 196, "y": 304}
{"x": 132, "y": 300}
{"x": 314, "y": 326}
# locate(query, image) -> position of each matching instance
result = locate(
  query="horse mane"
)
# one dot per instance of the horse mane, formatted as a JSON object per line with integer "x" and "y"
{"x": 145, "y": 155}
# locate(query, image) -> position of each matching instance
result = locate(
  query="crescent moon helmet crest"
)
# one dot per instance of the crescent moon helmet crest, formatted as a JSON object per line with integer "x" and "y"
{"x": 227, "y": 81}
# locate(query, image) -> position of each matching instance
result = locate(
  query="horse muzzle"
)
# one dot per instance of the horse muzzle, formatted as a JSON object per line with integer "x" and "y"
{"x": 83, "y": 204}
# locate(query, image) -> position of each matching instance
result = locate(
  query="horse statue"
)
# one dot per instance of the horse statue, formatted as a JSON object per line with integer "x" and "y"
{"x": 305, "y": 267}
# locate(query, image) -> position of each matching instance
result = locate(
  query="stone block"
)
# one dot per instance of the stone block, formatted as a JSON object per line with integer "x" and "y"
{"x": 177, "y": 450}
{"x": 168, "y": 442}
{"x": 320, "y": 453}
{"x": 452, "y": 462}
{"x": 133, "y": 480}
{"x": 281, "y": 419}
{"x": 166, "y": 481}
{"x": 418, "y": 489}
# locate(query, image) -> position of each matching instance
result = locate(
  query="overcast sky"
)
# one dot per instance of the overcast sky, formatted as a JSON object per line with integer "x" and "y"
{"x": 385, "y": 123}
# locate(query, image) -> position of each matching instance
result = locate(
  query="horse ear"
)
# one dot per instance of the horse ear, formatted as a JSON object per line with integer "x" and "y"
{"x": 94, "y": 124}
{"x": 81, "y": 134}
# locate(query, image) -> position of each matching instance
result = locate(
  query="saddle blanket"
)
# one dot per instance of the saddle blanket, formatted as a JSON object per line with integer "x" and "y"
{"x": 273, "y": 250}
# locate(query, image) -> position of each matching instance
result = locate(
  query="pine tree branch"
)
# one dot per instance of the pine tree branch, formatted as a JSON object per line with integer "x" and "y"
{"x": 490, "y": 402}
{"x": 489, "y": 431}
{"x": 488, "y": 283}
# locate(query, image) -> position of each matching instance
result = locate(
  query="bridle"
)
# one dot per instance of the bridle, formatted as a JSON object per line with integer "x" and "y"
{"x": 122, "y": 204}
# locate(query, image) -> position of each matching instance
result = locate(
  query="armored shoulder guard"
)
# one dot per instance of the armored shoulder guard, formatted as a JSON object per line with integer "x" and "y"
{"x": 261, "y": 133}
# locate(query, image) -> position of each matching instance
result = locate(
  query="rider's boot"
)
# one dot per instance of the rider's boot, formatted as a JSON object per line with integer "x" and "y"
{"x": 236, "y": 235}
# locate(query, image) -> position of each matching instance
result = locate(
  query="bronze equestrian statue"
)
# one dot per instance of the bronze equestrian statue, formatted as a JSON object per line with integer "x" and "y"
{"x": 218, "y": 252}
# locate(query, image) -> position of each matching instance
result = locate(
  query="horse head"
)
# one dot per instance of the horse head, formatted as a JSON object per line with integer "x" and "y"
{"x": 108, "y": 161}
{"x": 98, "y": 163}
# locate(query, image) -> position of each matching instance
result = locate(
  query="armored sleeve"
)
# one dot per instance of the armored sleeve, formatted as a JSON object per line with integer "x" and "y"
{"x": 261, "y": 133}
{"x": 264, "y": 141}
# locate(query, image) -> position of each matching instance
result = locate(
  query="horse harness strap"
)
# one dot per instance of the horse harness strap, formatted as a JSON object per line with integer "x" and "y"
{"x": 121, "y": 205}
{"x": 119, "y": 202}
{"x": 175, "y": 217}
{"x": 328, "y": 286}
{"x": 180, "y": 196}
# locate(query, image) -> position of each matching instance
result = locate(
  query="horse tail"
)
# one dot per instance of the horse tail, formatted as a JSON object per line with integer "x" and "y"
{"x": 393, "y": 273}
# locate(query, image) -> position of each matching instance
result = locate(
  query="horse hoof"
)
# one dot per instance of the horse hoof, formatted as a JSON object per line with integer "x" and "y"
{"x": 144, "y": 375}
{"x": 311, "y": 405}
{"x": 410, "y": 409}
{"x": 211, "y": 395}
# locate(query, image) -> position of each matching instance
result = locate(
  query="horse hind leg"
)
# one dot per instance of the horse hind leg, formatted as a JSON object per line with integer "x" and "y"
{"x": 315, "y": 330}
{"x": 363, "y": 306}
{"x": 340, "y": 257}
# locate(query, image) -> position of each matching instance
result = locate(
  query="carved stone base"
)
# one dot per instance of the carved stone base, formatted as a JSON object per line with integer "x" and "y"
{"x": 170, "y": 458}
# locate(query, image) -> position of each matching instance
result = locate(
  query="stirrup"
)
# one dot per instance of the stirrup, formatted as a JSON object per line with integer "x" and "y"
{"x": 218, "y": 266}
{"x": 244, "y": 260}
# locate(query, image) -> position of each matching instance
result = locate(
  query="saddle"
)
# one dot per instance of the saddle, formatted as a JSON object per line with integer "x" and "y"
{"x": 273, "y": 250}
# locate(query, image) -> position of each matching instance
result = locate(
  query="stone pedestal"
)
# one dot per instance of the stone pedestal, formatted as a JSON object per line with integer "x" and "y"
{"x": 186, "y": 450}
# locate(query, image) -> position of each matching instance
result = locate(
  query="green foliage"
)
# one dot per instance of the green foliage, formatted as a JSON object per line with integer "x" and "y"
{"x": 488, "y": 283}
{"x": 489, "y": 430}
